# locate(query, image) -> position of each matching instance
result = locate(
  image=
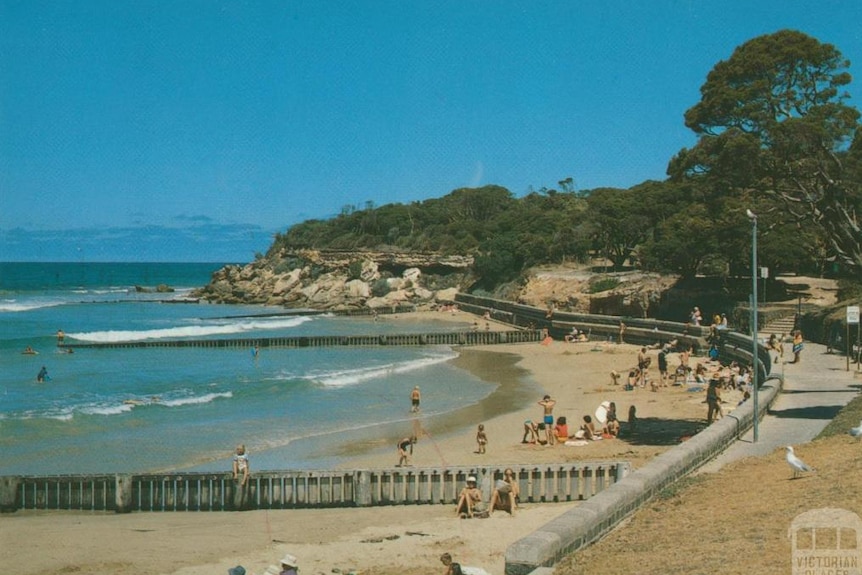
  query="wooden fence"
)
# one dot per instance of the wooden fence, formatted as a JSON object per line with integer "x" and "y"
{"x": 399, "y": 339}
{"x": 299, "y": 489}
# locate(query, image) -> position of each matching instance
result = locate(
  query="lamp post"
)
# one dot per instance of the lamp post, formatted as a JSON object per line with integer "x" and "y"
{"x": 754, "y": 371}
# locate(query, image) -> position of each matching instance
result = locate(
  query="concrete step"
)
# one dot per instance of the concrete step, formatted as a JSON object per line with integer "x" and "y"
{"x": 779, "y": 326}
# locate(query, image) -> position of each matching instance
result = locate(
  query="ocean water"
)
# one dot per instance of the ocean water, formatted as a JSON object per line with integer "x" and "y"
{"x": 157, "y": 409}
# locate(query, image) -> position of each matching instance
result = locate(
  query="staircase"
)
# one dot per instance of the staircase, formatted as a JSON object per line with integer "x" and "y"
{"x": 781, "y": 326}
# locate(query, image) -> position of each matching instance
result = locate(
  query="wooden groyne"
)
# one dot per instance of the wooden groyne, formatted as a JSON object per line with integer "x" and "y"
{"x": 402, "y": 339}
{"x": 575, "y": 481}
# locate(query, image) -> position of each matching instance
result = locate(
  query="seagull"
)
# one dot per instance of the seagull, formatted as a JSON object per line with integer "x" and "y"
{"x": 856, "y": 431}
{"x": 795, "y": 463}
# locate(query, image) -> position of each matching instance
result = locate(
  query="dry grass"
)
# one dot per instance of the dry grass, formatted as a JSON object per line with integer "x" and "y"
{"x": 736, "y": 520}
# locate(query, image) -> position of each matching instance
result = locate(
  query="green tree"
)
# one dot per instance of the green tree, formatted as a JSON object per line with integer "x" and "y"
{"x": 773, "y": 124}
{"x": 618, "y": 223}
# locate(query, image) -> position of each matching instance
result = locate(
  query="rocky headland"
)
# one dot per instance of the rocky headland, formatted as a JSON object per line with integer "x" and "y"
{"x": 345, "y": 280}
{"x": 338, "y": 280}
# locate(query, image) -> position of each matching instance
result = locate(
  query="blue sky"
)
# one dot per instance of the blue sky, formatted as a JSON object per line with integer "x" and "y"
{"x": 193, "y": 130}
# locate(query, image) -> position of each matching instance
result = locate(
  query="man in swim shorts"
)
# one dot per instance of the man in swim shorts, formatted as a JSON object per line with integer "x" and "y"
{"x": 548, "y": 417}
{"x": 415, "y": 397}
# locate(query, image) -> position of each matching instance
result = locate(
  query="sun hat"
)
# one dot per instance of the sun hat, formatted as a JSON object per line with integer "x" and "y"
{"x": 290, "y": 560}
{"x": 238, "y": 570}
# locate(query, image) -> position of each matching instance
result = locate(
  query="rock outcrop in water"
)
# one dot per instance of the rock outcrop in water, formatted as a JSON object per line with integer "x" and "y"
{"x": 341, "y": 280}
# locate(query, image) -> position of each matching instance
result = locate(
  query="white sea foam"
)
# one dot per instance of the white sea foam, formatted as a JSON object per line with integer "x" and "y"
{"x": 11, "y": 305}
{"x": 58, "y": 413}
{"x": 207, "y": 398}
{"x": 108, "y": 409}
{"x": 188, "y": 331}
{"x": 341, "y": 378}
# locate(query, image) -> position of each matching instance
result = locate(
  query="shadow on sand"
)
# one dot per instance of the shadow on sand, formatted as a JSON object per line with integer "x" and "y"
{"x": 660, "y": 431}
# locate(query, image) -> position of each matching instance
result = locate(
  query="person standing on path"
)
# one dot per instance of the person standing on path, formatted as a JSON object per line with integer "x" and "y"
{"x": 797, "y": 345}
{"x": 548, "y": 418}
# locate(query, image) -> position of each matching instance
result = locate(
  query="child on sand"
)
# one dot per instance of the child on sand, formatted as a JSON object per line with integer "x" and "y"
{"x": 531, "y": 431}
{"x": 481, "y": 439}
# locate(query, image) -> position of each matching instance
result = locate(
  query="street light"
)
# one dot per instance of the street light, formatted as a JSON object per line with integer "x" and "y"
{"x": 753, "y": 217}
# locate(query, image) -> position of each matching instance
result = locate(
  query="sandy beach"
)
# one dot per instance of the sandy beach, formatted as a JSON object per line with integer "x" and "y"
{"x": 406, "y": 539}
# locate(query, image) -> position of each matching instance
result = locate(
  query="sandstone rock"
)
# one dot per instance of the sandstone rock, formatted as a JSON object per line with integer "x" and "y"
{"x": 287, "y": 282}
{"x": 412, "y": 275}
{"x": 357, "y": 289}
{"x": 369, "y": 272}
{"x": 423, "y": 294}
{"x": 446, "y": 295}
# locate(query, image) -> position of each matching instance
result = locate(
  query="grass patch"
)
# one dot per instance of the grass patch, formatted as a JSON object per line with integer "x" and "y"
{"x": 673, "y": 491}
{"x": 844, "y": 420}
{"x": 600, "y": 284}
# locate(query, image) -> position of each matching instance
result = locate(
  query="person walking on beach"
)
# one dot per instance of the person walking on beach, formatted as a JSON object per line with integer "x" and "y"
{"x": 415, "y": 398}
{"x": 548, "y": 417}
{"x": 481, "y": 439}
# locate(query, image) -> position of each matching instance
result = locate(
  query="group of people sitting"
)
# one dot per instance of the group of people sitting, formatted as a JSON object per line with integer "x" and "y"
{"x": 605, "y": 424}
{"x": 504, "y": 497}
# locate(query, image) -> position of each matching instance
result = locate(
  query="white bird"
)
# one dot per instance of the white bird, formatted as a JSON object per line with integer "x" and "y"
{"x": 856, "y": 431}
{"x": 795, "y": 463}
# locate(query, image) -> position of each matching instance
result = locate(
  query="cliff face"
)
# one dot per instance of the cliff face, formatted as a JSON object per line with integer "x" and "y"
{"x": 341, "y": 280}
{"x": 634, "y": 294}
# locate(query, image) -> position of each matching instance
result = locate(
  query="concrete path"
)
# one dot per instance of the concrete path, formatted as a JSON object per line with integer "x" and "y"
{"x": 814, "y": 391}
